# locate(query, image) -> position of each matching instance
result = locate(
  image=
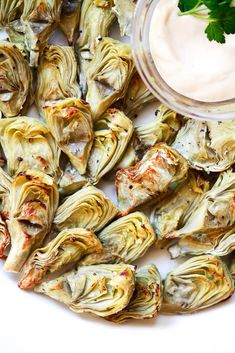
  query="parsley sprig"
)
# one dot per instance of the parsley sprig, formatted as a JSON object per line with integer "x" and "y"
{"x": 220, "y": 15}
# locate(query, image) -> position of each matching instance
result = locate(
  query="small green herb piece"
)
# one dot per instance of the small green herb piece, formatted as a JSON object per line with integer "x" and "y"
{"x": 220, "y": 15}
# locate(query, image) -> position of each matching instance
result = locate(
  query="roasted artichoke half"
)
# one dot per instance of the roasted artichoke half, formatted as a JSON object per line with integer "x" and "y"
{"x": 72, "y": 180}
{"x": 219, "y": 243}
{"x": 10, "y": 10}
{"x": 137, "y": 96}
{"x": 95, "y": 21}
{"x": 39, "y": 19}
{"x": 28, "y": 144}
{"x": 71, "y": 125}
{"x": 124, "y": 10}
{"x": 5, "y": 185}
{"x": 160, "y": 170}
{"x": 69, "y": 19}
{"x": 172, "y": 212}
{"x": 15, "y": 81}
{"x": 33, "y": 201}
{"x": 102, "y": 290}
{"x": 147, "y": 298}
{"x": 57, "y": 75}
{"x": 232, "y": 268}
{"x": 108, "y": 75}
{"x": 68, "y": 246}
{"x": 113, "y": 132}
{"x": 4, "y": 237}
{"x": 163, "y": 128}
{"x": 124, "y": 240}
{"x": 198, "y": 283}
{"x": 208, "y": 146}
{"x": 215, "y": 211}
{"x": 87, "y": 208}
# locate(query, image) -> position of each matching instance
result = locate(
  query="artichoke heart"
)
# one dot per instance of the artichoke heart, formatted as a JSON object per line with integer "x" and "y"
{"x": 72, "y": 180}
{"x": 137, "y": 96}
{"x": 70, "y": 16}
{"x": 15, "y": 81}
{"x": 102, "y": 290}
{"x": 68, "y": 246}
{"x": 10, "y": 10}
{"x": 160, "y": 170}
{"x": 147, "y": 298}
{"x": 108, "y": 75}
{"x": 214, "y": 212}
{"x": 5, "y": 185}
{"x": 4, "y": 237}
{"x": 95, "y": 21}
{"x": 208, "y": 146}
{"x": 33, "y": 201}
{"x": 39, "y": 19}
{"x": 172, "y": 212}
{"x": 87, "y": 208}
{"x": 198, "y": 283}
{"x": 124, "y": 240}
{"x": 124, "y": 10}
{"x": 28, "y": 144}
{"x": 113, "y": 132}
{"x": 219, "y": 243}
{"x": 57, "y": 75}
{"x": 162, "y": 129}
{"x": 71, "y": 125}
{"x": 232, "y": 268}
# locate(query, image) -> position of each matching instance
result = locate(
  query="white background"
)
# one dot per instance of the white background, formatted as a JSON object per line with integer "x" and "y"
{"x": 31, "y": 323}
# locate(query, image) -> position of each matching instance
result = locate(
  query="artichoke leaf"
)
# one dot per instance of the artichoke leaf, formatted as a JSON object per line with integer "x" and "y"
{"x": 70, "y": 16}
{"x": 4, "y": 237}
{"x": 214, "y": 212}
{"x": 198, "y": 283}
{"x": 124, "y": 10}
{"x": 102, "y": 290}
{"x": 39, "y": 19}
{"x": 124, "y": 240}
{"x": 28, "y": 144}
{"x": 67, "y": 247}
{"x": 16, "y": 93}
{"x": 72, "y": 180}
{"x": 108, "y": 75}
{"x": 173, "y": 211}
{"x": 147, "y": 298}
{"x": 95, "y": 21}
{"x": 71, "y": 125}
{"x": 10, "y": 10}
{"x": 113, "y": 132}
{"x": 162, "y": 129}
{"x": 217, "y": 244}
{"x": 33, "y": 200}
{"x": 208, "y": 146}
{"x": 160, "y": 170}
{"x": 5, "y": 185}
{"x": 57, "y": 75}
{"x": 87, "y": 208}
{"x": 232, "y": 268}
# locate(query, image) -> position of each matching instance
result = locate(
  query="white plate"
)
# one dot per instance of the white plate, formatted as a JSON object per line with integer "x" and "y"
{"x": 31, "y": 323}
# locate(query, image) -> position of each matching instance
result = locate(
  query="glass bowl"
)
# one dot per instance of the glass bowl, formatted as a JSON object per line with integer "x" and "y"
{"x": 223, "y": 110}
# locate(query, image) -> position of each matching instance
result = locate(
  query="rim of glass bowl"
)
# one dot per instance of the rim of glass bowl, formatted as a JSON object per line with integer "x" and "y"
{"x": 224, "y": 110}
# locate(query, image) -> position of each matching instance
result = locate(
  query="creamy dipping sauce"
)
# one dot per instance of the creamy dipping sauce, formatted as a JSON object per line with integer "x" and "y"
{"x": 187, "y": 61}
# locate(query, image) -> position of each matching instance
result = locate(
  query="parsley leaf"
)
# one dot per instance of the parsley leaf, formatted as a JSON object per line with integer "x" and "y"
{"x": 186, "y": 5}
{"x": 215, "y": 32}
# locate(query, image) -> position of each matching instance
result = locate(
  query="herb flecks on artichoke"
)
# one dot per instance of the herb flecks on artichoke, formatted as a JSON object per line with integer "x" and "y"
{"x": 161, "y": 169}
{"x": 57, "y": 75}
{"x": 208, "y": 146}
{"x": 108, "y": 75}
{"x": 87, "y": 208}
{"x": 71, "y": 125}
{"x": 72, "y": 180}
{"x": 198, "y": 283}
{"x": 33, "y": 201}
{"x": 113, "y": 132}
{"x": 69, "y": 19}
{"x": 102, "y": 290}
{"x": 147, "y": 298}
{"x": 15, "y": 81}
{"x": 67, "y": 247}
{"x": 124, "y": 240}
{"x": 28, "y": 144}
